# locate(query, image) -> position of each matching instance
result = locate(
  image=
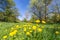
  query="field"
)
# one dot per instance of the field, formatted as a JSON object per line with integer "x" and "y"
{"x": 29, "y": 31}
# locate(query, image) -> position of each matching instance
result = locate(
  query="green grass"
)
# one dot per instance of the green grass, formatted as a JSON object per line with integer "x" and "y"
{"x": 48, "y": 32}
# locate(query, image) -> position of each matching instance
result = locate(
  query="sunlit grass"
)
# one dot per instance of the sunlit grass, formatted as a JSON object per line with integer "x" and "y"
{"x": 29, "y": 31}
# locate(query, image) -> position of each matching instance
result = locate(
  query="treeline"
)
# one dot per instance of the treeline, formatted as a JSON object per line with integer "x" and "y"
{"x": 47, "y": 10}
{"x": 8, "y": 11}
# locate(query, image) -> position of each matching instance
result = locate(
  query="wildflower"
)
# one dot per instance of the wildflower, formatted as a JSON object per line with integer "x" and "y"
{"x": 13, "y": 33}
{"x": 37, "y": 21}
{"x": 40, "y": 29}
{"x": 27, "y": 33}
{"x": 5, "y": 36}
{"x": 24, "y": 29}
{"x": 43, "y": 22}
{"x": 34, "y": 27}
{"x": 57, "y": 32}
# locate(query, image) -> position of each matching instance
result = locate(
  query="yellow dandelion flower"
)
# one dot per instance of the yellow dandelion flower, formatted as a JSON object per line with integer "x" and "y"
{"x": 13, "y": 33}
{"x": 57, "y": 32}
{"x": 27, "y": 33}
{"x": 43, "y": 22}
{"x": 5, "y": 36}
{"x": 39, "y": 29}
{"x": 37, "y": 21}
{"x": 24, "y": 29}
{"x": 34, "y": 27}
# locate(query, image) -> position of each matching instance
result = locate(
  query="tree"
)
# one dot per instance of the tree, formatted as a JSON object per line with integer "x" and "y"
{"x": 39, "y": 7}
{"x": 33, "y": 18}
{"x": 36, "y": 7}
{"x": 46, "y": 3}
{"x": 9, "y": 10}
{"x": 56, "y": 12}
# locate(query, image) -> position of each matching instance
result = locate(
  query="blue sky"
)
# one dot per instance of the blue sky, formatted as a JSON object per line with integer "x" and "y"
{"x": 22, "y": 6}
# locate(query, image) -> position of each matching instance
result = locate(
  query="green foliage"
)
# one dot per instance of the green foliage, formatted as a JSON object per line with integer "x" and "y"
{"x": 48, "y": 31}
{"x": 25, "y": 20}
{"x": 8, "y": 11}
{"x": 39, "y": 8}
{"x": 33, "y": 19}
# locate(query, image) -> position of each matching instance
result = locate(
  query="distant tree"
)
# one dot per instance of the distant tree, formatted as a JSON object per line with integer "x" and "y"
{"x": 36, "y": 8}
{"x": 24, "y": 20}
{"x": 39, "y": 7}
{"x": 27, "y": 15}
{"x": 58, "y": 11}
{"x": 9, "y": 10}
{"x": 33, "y": 18}
{"x": 55, "y": 13}
{"x": 46, "y": 3}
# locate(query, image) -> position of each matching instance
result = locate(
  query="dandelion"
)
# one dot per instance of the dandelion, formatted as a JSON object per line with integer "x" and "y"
{"x": 24, "y": 29}
{"x": 57, "y": 32}
{"x": 27, "y": 33}
{"x": 13, "y": 33}
{"x": 5, "y": 36}
{"x": 43, "y": 22}
{"x": 37, "y": 21}
{"x": 34, "y": 27}
{"x": 39, "y": 29}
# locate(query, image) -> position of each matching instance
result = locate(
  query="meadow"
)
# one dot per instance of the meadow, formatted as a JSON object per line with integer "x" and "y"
{"x": 29, "y": 31}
